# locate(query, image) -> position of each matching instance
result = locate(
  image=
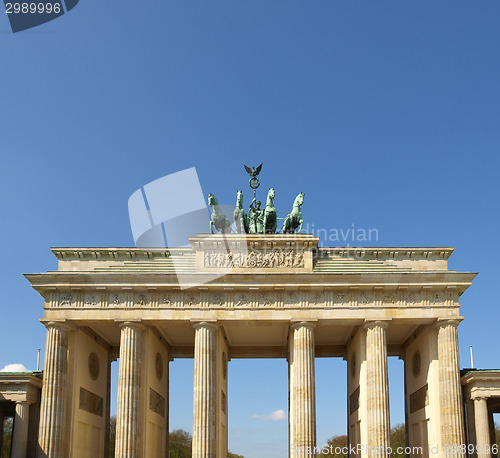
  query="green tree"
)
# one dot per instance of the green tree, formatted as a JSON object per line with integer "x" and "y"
{"x": 112, "y": 437}
{"x": 7, "y": 437}
{"x": 180, "y": 444}
{"x": 336, "y": 442}
{"x": 398, "y": 439}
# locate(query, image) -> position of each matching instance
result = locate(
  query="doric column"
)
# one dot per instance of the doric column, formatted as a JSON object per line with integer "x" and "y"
{"x": 2, "y": 418}
{"x": 52, "y": 428}
{"x": 482, "y": 428}
{"x": 377, "y": 390}
{"x": 20, "y": 437}
{"x": 204, "y": 393}
{"x": 450, "y": 394}
{"x": 128, "y": 439}
{"x": 302, "y": 389}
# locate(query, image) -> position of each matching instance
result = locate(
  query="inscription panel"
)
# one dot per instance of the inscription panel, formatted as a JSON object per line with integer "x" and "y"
{"x": 354, "y": 401}
{"x": 156, "y": 402}
{"x": 419, "y": 399}
{"x": 91, "y": 402}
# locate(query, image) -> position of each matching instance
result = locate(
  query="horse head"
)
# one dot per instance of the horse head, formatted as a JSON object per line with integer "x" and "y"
{"x": 212, "y": 200}
{"x": 239, "y": 198}
{"x": 299, "y": 200}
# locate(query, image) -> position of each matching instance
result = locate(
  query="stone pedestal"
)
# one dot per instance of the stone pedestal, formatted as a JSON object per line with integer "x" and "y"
{"x": 204, "y": 391}
{"x": 52, "y": 427}
{"x": 482, "y": 428}
{"x": 377, "y": 390}
{"x": 450, "y": 393}
{"x": 20, "y": 436}
{"x": 128, "y": 438}
{"x": 302, "y": 414}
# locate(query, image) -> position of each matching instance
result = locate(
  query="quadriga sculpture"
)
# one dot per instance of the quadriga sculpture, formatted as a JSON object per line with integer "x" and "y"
{"x": 294, "y": 219}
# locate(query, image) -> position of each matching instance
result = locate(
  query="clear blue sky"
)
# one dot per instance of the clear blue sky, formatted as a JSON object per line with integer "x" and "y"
{"x": 386, "y": 114}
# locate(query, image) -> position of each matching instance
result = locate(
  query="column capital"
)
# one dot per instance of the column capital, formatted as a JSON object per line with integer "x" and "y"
{"x": 448, "y": 321}
{"x": 205, "y": 324}
{"x": 63, "y": 325}
{"x": 131, "y": 324}
{"x": 24, "y": 403}
{"x": 305, "y": 323}
{"x": 368, "y": 324}
{"x": 479, "y": 397}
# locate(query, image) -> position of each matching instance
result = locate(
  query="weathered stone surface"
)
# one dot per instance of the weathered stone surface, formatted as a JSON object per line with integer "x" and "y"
{"x": 302, "y": 388}
{"x": 128, "y": 437}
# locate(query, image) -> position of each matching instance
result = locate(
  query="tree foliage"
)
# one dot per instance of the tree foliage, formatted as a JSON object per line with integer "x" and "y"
{"x": 7, "y": 436}
{"x": 398, "y": 439}
{"x": 337, "y": 443}
{"x": 112, "y": 436}
{"x": 180, "y": 443}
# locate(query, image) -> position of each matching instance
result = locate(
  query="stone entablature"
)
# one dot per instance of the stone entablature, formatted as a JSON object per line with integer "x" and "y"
{"x": 190, "y": 260}
{"x": 254, "y": 272}
{"x": 481, "y": 383}
{"x": 260, "y": 297}
{"x": 20, "y": 386}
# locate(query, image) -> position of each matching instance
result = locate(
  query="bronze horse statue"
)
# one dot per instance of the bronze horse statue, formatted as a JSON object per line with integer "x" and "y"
{"x": 294, "y": 219}
{"x": 270, "y": 219}
{"x": 219, "y": 220}
{"x": 239, "y": 215}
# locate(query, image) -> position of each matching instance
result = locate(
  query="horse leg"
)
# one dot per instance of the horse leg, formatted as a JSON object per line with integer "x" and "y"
{"x": 284, "y": 229}
{"x": 300, "y": 228}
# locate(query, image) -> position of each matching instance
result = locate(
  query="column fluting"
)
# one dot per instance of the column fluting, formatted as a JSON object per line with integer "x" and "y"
{"x": 450, "y": 393}
{"x": 482, "y": 428}
{"x": 204, "y": 391}
{"x": 128, "y": 411}
{"x": 302, "y": 389}
{"x": 52, "y": 426}
{"x": 20, "y": 437}
{"x": 377, "y": 390}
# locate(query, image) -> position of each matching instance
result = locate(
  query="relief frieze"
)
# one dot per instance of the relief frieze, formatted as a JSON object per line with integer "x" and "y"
{"x": 254, "y": 259}
{"x": 255, "y": 297}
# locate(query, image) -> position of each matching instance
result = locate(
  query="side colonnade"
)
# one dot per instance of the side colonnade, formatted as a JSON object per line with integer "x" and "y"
{"x": 75, "y": 396}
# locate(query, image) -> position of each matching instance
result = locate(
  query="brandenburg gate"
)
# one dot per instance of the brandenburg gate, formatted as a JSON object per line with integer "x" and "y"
{"x": 247, "y": 296}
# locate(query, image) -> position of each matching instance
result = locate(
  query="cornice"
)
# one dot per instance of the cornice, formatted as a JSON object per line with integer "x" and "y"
{"x": 128, "y": 253}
